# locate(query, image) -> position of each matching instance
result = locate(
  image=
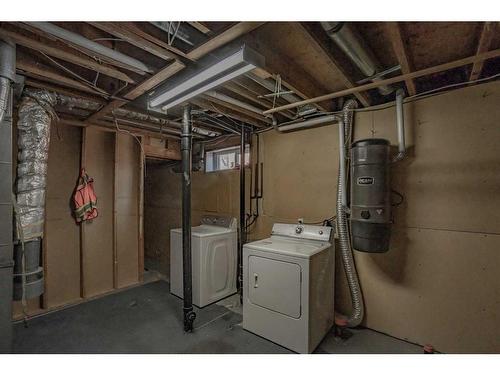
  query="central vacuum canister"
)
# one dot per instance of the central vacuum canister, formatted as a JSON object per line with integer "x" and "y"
{"x": 370, "y": 195}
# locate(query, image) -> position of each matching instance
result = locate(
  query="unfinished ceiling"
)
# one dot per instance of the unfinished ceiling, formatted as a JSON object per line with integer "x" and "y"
{"x": 300, "y": 58}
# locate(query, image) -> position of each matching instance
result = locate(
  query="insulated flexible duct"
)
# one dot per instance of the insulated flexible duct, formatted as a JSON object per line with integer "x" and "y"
{"x": 345, "y": 133}
{"x": 90, "y": 105}
{"x": 33, "y": 126}
{"x": 35, "y": 114}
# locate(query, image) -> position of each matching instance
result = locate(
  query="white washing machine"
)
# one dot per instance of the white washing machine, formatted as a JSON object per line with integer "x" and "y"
{"x": 288, "y": 286}
{"x": 214, "y": 249}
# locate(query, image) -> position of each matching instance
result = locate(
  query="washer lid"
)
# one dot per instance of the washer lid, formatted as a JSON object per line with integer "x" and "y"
{"x": 206, "y": 230}
{"x": 302, "y": 248}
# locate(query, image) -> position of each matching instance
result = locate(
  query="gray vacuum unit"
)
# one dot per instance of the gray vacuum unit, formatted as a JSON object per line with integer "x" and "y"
{"x": 370, "y": 195}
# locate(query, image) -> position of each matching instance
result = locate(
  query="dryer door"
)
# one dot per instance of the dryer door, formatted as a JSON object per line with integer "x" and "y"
{"x": 275, "y": 285}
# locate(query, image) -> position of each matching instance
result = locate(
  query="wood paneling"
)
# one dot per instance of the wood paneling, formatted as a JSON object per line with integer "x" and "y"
{"x": 97, "y": 247}
{"x": 127, "y": 210}
{"x": 437, "y": 284}
{"x": 62, "y": 234}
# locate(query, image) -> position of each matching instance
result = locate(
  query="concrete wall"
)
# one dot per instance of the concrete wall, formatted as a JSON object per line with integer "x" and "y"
{"x": 438, "y": 284}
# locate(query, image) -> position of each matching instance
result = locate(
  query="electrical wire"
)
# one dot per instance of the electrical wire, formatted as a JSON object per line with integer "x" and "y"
{"x": 408, "y": 99}
{"x": 401, "y": 197}
{"x": 66, "y": 69}
{"x": 143, "y": 154}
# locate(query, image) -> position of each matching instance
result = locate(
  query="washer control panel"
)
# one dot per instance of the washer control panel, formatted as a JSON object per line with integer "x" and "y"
{"x": 220, "y": 221}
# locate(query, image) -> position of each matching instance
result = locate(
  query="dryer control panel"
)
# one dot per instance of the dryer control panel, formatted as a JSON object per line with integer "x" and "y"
{"x": 306, "y": 231}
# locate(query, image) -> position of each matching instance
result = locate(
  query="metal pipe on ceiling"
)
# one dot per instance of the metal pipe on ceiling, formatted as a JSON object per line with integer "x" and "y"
{"x": 346, "y": 39}
{"x": 231, "y": 100}
{"x": 89, "y": 45}
{"x": 400, "y": 123}
{"x": 297, "y": 125}
{"x": 7, "y": 77}
{"x": 76, "y": 102}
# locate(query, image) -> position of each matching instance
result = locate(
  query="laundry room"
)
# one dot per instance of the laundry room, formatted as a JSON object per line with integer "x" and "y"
{"x": 249, "y": 187}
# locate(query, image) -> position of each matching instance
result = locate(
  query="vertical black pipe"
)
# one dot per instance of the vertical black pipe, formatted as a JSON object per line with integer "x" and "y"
{"x": 186, "y": 146}
{"x": 242, "y": 213}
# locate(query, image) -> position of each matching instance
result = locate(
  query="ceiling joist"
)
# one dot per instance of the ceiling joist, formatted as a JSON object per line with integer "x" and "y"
{"x": 125, "y": 34}
{"x": 394, "y": 31}
{"x": 217, "y": 41}
{"x": 322, "y": 49}
{"x": 487, "y": 33}
{"x": 419, "y": 73}
{"x": 58, "y": 53}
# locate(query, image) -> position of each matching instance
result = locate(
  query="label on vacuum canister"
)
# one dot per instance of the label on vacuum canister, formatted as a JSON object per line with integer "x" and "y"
{"x": 365, "y": 180}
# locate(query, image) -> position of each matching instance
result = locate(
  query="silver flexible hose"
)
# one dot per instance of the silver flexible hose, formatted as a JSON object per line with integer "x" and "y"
{"x": 358, "y": 308}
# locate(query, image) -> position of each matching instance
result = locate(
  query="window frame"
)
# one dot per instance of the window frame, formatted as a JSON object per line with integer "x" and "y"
{"x": 215, "y": 153}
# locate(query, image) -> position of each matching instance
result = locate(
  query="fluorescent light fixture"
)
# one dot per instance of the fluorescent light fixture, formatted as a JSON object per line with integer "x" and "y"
{"x": 226, "y": 69}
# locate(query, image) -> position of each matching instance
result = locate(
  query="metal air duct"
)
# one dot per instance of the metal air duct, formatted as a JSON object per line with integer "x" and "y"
{"x": 346, "y": 39}
{"x": 90, "y": 45}
{"x": 7, "y": 76}
{"x": 35, "y": 114}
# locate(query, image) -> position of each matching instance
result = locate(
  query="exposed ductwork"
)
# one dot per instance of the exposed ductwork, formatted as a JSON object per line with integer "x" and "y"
{"x": 303, "y": 124}
{"x": 400, "y": 122}
{"x": 35, "y": 115}
{"x": 346, "y": 39}
{"x": 87, "y": 104}
{"x": 90, "y": 45}
{"x": 345, "y": 135}
{"x": 7, "y": 76}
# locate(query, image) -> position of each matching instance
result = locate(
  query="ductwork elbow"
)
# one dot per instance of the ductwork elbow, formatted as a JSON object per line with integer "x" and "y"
{"x": 7, "y": 74}
{"x": 346, "y": 39}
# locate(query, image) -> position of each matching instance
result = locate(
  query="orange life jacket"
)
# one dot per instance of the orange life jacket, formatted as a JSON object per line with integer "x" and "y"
{"x": 84, "y": 198}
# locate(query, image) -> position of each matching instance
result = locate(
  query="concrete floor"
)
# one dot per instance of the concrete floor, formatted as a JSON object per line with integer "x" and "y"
{"x": 148, "y": 319}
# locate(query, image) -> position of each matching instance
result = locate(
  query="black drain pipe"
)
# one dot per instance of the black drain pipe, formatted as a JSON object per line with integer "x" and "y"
{"x": 242, "y": 213}
{"x": 186, "y": 145}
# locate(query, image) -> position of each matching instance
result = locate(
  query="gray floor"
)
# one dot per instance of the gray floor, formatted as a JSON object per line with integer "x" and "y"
{"x": 148, "y": 319}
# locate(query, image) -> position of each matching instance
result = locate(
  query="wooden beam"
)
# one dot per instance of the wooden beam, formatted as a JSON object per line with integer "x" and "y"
{"x": 200, "y": 27}
{"x": 80, "y": 49}
{"x": 118, "y": 31}
{"x": 292, "y": 75}
{"x": 50, "y": 87}
{"x": 64, "y": 55}
{"x": 217, "y": 41}
{"x": 36, "y": 70}
{"x": 236, "y": 116}
{"x": 394, "y": 31}
{"x": 155, "y": 80}
{"x": 487, "y": 33}
{"x": 388, "y": 81}
{"x": 140, "y": 89}
{"x": 225, "y": 37}
{"x": 236, "y": 108}
{"x": 130, "y": 26}
{"x": 322, "y": 50}
{"x": 244, "y": 94}
{"x": 108, "y": 126}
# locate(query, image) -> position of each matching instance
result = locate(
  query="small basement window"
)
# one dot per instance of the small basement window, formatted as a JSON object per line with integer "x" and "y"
{"x": 225, "y": 159}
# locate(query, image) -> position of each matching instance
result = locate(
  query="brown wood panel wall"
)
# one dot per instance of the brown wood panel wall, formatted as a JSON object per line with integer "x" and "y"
{"x": 437, "y": 282}
{"x": 97, "y": 244}
{"x": 62, "y": 234}
{"x": 127, "y": 183}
